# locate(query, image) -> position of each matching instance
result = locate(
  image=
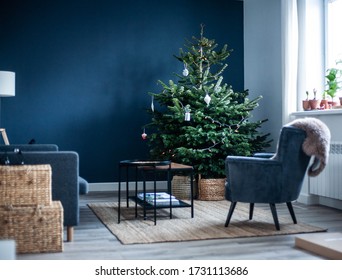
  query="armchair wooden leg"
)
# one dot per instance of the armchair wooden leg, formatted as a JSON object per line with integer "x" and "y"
{"x": 230, "y": 213}
{"x": 289, "y": 206}
{"x": 70, "y": 234}
{"x": 251, "y": 210}
{"x": 275, "y": 216}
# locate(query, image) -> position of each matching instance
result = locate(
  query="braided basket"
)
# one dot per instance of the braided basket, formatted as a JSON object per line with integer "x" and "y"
{"x": 36, "y": 229}
{"x": 25, "y": 185}
{"x": 181, "y": 187}
{"x": 211, "y": 189}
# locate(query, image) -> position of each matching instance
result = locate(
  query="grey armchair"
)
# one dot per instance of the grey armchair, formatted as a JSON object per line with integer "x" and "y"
{"x": 273, "y": 180}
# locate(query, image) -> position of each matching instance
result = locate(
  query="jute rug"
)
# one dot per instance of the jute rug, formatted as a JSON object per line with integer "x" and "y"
{"x": 208, "y": 223}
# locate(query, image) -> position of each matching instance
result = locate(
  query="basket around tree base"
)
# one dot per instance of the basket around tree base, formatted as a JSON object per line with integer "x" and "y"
{"x": 35, "y": 229}
{"x": 181, "y": 187}
{"x": 211, "y": 189}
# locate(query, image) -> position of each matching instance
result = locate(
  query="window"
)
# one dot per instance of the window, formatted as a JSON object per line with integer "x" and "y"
{"x": 311, "y": 57}
{"x": 320, "y": 46}
{"x": 333, "y": 41}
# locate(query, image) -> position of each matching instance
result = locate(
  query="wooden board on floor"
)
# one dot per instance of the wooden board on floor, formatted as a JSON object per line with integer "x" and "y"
{"x": 328, "y": 245}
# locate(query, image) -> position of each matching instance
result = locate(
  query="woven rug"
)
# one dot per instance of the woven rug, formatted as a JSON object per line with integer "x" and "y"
{"x": 208, "y": 223}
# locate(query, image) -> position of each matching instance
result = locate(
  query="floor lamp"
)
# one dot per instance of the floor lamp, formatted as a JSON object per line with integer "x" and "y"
{"x": 7, "y": 88}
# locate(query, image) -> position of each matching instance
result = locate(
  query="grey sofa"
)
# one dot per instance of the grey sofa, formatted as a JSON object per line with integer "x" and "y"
{"x": 65, "y": 175}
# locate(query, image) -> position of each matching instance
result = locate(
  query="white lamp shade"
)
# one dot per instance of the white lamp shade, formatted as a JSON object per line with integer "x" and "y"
{"x": 7, "y": 83}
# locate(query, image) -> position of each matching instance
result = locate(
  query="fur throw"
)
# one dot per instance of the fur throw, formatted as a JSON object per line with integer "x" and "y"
{"x": 316, "y": 143}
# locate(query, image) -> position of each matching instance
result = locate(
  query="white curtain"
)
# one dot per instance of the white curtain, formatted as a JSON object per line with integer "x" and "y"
{"x": 289, "y": 35}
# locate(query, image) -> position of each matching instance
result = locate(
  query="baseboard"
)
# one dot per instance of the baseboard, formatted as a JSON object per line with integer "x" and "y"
{"x": 114, "y": 186}
{"x": 304, "y": 198}
{"x": 311, "y": 199}
{"x": 330, "y": 202}
{"x": 308, "y": 199}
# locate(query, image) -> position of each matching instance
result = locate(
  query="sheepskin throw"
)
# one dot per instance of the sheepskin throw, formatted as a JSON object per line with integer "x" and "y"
{"x": 316, "y": 143}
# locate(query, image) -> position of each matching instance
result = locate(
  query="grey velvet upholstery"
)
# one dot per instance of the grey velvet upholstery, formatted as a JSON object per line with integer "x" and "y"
{"x": 29, "y": 147}
{"x": 83, "y": 183}
{"x": 65, "y": 176}
{"x": 266, "y": 179}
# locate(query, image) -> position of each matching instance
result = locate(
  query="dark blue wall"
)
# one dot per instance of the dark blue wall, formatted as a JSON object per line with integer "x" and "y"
{"x": 84, "y": 68}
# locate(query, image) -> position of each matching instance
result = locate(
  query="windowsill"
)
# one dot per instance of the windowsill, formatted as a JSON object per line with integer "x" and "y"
{"x": 318, "y": 112}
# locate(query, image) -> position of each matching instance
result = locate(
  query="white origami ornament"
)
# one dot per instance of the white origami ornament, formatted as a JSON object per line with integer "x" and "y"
{"x": 185, "y": 71}
{"x": 207, "y": 99}
{"x": 152, "y": 105}
{"x": 187, "y": 116}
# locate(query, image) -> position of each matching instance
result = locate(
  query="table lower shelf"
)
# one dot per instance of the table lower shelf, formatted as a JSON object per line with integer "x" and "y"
{"x": 149, "y": 206}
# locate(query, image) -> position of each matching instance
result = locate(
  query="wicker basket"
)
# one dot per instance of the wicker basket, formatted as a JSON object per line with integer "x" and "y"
{"x": 211, "y": 189}
{"x": 25, "y": 185}
{"x": 35, "y": 229}
{"x": 181, "y": 187}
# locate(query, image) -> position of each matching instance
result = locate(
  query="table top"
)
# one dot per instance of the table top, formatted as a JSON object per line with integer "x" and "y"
{"x": 142, "y": 162}
{"x": 156, "y": 164}
{"x": 173, "y": 167}
{"x": 176, "y": 166}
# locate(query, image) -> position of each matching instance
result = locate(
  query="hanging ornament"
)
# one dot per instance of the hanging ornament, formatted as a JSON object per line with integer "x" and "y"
{"x": 144, "y": 135}
{"x": 207, "y": 99}
{"x": 187, "y": 116}
{"x": 152, "y": 104}
{"x": 185, "y": 71}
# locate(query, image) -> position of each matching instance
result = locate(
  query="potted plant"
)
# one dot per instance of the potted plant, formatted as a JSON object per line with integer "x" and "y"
{"x": 324, "y": 102}
{"x": 200, "y": 119}
{"x": 314, "y": 103}
{"x": 333, "y": 83}
{"x": 306, "y": 102}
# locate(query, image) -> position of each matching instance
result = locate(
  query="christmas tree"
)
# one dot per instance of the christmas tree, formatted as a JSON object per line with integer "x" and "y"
{"x": 200, "y": 120}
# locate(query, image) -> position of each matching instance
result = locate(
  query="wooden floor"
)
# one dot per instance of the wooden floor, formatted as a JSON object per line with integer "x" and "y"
{"x": 93, "y": 241}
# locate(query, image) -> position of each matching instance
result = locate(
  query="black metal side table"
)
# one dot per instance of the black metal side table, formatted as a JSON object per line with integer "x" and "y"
{"x": 143, "y": 167}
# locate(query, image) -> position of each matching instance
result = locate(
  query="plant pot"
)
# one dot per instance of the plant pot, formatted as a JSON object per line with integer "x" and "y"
{"x": 314, "y": 104}
{"x": 324, "y": 104}
{"x": 306, "y": 105}
{"x": 180, "y": 185}
{"x": 332, "y": 104}
{"x": 211, "y": 189}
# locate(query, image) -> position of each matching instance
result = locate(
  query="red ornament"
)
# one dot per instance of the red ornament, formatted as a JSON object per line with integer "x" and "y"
{"x": 144, "y": 136}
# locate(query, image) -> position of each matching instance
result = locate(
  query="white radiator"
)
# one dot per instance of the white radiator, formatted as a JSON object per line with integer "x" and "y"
{"x": 329, "y": 182}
